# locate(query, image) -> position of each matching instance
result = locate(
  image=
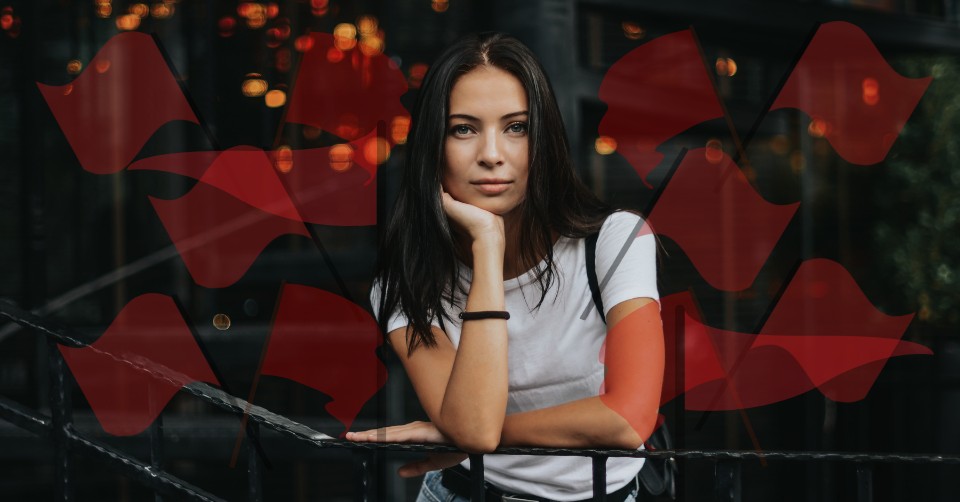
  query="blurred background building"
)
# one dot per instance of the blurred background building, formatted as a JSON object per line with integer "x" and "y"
{"x": 76, "y": 247}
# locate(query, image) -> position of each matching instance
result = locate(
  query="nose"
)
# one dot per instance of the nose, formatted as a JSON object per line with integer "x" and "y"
{"x": 490, "y": 154}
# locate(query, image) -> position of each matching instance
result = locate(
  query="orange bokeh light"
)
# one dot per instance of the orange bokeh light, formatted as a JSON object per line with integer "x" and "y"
{"x": 871, "y": 91}
{"x": 341, "y": 157}
{"x": 128, "y": 22}
{"x": 74, "y": 66}
{"x": 284, "y": 159}
{"x": 275, "y": 98}
{"x": 399, "y": 129}
{"x": 605, "y": 145}
{"x": 303, "y": 43}
{"x": 818, "y": 127}
{"x": 714, "y": 151}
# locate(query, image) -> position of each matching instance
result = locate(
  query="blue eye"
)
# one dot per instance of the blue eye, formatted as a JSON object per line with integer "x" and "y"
{"x": 517, "y": 127}
{"x": 460, "y": 130}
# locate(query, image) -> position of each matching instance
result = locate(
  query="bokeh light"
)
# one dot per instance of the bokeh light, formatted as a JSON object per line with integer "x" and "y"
{"x": 226, "y": 24}
{"x": 284, "y": 159}
{"x": 416, "y": 74}
{"x": 303, "y": 43}
{"x": 605, "y": 145}
{"x": 128, "y": 22}
{"x": 399, "y": 129}
{"x": 439, "y": 5}
{"x": 871, "y": 91}
{"x": 74, "y": 66}
{"x": 714, "y": 151}
{"x": 726, "y": 67}
{"x": 221, "y": 322}
{"x": 275, "y": 98}
{"x": 632, "y": 30}
{"x": 254, "y": 86}
{"x": 341, "y": 157}
{"x": 818, "y": 127}
{"x": 376, "y": 150}
{"x": 345, "y": 36}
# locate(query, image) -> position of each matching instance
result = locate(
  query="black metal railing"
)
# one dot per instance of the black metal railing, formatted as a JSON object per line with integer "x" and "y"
{"x": 68, "y": 442}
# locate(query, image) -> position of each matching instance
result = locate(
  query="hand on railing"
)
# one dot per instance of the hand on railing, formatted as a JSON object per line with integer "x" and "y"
{"x": 414, "y": 432}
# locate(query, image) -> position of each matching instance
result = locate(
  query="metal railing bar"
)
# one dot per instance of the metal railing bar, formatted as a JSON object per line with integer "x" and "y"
{"x": 138, "y": 471}
{"x": 25, "y": 418}
{"x": 477, "y": 492}
{"x": 600, "y": 478}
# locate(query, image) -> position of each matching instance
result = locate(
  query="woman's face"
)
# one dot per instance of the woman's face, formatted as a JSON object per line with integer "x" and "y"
{"x": 486, "y": 145}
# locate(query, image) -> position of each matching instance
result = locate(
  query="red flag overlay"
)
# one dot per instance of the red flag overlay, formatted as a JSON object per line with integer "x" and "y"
{"x": 225, "y": 221}
{"x": 327, "y": 343}
{"x": 713, "y": 213}
{"x": 345, "y": 93}
{"x": 655, "y": 92}
{"x": 123, "y": 96}
{"x": 843, "y": 82}
{"x": 150, "y": 331}
{"x": 823, "y": 333}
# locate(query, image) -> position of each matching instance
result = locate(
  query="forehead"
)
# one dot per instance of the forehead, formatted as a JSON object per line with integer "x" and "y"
{"x": 487, "y": 90}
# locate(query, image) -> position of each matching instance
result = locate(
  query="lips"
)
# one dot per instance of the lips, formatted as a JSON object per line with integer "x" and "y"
{"x": 491, "y": 186}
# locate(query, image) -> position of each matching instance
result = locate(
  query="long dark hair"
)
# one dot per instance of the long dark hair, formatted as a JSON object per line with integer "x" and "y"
{"x": 417, "y": 266}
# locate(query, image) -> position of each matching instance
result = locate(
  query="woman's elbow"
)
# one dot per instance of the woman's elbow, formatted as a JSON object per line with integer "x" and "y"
{"x": 474, "y": 442}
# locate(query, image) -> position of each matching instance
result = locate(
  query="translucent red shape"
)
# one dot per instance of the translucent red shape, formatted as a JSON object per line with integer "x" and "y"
{"x": 723, "y": 225}
{"x": 823, "y": 333}
{"x": 218, "y": 235}
{"x": 653, "y": 93}
{"x": 348, "y": 96}
{"x": 149, "y": 331}
{"x": 633, "y": 357}
{"x": 328, "y": 343}
{"x": 313, "y": 191}
{"x": 844, "y": 81}
{"x": 123, "y": 96}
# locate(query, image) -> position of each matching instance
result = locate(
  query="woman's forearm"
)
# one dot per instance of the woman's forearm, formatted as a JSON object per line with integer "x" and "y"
{"x": 584, "y": 423}
{"x": 475, "y": 400}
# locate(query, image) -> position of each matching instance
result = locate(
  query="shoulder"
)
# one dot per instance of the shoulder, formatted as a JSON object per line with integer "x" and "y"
{"x": 620, "y": 229}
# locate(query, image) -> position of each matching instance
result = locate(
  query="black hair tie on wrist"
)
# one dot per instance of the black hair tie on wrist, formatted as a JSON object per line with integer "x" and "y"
{"x": 484, "y": 314}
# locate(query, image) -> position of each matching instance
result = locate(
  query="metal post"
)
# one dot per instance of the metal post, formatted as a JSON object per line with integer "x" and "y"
{"x": 62, "y": 419}
{"x": 600, "y": 478}
{"x": 362, "y": 459}
{"x": 476, "y": 478}
{"x": 156, "y": 446}
{"x": 864, "y": 483}
{"x": 253, "y": 463}
{"x": 728, "y": 481}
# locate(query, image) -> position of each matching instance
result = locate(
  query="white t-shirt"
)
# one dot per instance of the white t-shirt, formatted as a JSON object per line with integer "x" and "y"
{"x": 554, "y": 355}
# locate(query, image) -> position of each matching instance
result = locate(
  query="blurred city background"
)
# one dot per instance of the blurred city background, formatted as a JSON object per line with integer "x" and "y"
{"x": 76, "y": 247}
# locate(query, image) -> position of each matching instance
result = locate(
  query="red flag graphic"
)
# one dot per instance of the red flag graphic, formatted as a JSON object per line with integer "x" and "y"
{"x": 713, "y": 213}
{"x": 325, "y": 342}
{"x": 655, "y": 92}
{"x": 345, "y": 92}
{"x": 333, "y": 185}
{"x": 149, "y": 331}
{"x": 843, "y": 83}
{"x": 823, "y": 333}
{"x": 110, "y": 111}
{"x": 225, "y": 221}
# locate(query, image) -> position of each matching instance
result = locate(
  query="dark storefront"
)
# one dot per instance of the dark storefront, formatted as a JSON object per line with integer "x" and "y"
{"x": 79, "y": 247}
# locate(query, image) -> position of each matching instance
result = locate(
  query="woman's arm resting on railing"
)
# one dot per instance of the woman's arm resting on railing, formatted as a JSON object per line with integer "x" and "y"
{"x": 621, "y": 418}
{"x": 625, "y": 415}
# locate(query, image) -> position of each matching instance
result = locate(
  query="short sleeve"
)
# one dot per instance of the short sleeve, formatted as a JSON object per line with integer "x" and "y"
{"x": 397, "y": 319}
{"x": 626, "y": 260}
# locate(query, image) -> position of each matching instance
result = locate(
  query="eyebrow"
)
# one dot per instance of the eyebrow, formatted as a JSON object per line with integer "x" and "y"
{"x": 475, "y": 119}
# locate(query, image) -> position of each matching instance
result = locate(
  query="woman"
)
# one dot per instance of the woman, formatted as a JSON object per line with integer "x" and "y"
{"x": 491, "y": 219}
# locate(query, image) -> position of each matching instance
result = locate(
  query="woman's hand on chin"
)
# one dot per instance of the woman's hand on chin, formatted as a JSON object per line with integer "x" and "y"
{"x": 478, "y": 223}
{"x": 414, "y": 432}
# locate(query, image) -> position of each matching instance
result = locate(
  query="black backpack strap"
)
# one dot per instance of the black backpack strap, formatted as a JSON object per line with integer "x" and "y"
{"x": 590, "y": 243}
